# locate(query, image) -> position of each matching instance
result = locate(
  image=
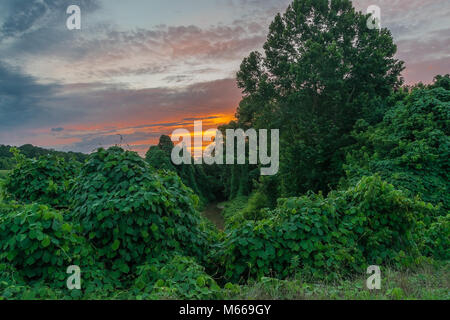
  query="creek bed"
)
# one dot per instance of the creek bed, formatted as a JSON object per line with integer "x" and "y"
{"x": 213, "y": 212}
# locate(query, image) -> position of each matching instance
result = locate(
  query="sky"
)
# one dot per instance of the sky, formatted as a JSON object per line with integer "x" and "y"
{"x": 141, "y": 68}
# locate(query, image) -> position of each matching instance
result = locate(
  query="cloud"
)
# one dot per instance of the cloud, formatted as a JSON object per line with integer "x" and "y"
{"x": 22, "y": 98}
{"x": 80, "y": 117}
{"x": 156, "y": 56}
{"x": 162, "y": 55}
{"x": 25, "y": 16}
{"x": 421, "y": 32}
{"x": 111, "y": 83}
{"x": 200, "y": 118}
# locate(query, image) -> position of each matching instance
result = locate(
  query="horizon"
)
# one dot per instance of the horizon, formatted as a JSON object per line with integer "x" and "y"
{"x": 136, "y": 72}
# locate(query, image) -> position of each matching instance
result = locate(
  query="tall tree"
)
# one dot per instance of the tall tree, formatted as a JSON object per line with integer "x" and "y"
{"x": 322, "y": 70}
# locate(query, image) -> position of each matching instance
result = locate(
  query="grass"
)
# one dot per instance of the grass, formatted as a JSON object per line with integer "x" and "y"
{"x": 429, "y": 282}
{"x": 232, "y": 210}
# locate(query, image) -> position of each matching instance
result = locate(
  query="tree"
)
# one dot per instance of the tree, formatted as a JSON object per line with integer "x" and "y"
{"x": 159, "y": 159}
{"x": 322, "y": 70}
{"x": 193, "y": 176}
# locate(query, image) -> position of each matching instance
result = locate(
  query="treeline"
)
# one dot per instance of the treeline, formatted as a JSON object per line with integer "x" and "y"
{"x": 408, "y": 146}
{"x": 7, "y": 158}
{"x": 203, "y": 179}
{"x": 337, "y": 96}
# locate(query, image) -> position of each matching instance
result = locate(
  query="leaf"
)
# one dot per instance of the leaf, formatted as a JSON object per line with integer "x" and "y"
{"x": 115, "y": 245}
{"x": 124, "y": 268}
{"x": 66, "y": 227}
{"x": 46, "y": 242}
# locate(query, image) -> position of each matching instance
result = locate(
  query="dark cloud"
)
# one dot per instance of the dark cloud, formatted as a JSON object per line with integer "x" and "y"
{"x": 22, "y": 16}
{"x": 57, "y": 129}
{"x": 201, "y": 118}
{"x": 22, "y": 98}
{"x": 36, "y": 28}
{"x": 178, "y": 78}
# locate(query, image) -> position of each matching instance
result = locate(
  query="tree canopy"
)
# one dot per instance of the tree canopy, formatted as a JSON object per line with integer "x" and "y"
{"x": 322, "y": 69}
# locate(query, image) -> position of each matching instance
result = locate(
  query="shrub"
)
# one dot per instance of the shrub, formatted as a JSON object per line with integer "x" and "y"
{"x": 301, "y": 229}
{"x": 232, "y": 211}
{"x": 370, "y": 223}
{"x": 179, "y": 277}
{"x": 3, "y": 173}
{"x": 10, "y": 282}
{"x": 380, "y": 218}
{"x": 257, "y": 201}
{"x": 13, "y": 287}
{"x": 410, "y": 147}
{"x": 38, "y": 243}
{"x": 436, "y": 238}
{"x": 131, "y": 213}
{"x": 45, "y": 180}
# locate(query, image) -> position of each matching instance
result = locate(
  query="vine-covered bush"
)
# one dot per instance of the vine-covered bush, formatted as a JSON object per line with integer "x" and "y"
{"x": 381, "y": 218}
{"x": 177, "y": 278}
{"x": 302, "y": 233}
{"x": 370, "y": 223}
{"x": 410, "y": 148}
{"x": 38, "y": 243}
{"x": 13, "y": 286}
{"x": 436, "y": 238}
{"x": 132, "y": 213}
{"x": 46, "y": 180}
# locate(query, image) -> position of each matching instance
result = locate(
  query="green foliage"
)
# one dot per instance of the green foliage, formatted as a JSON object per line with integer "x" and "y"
{"x": 133, "y": 228}
{"x": 130, "y": 212}
{"x": 38, "y": 243}
{"x": 370, "y": 223}
{"x": 436, "y": 238}
{"x": 410, "y": 147}
{"x": 178, "y": 278}
{"x": 45, "y": 180}
{"x": 322, "y": 70}
{"x": 257, "y": 201}
{"x": 267, "y": 247}
{"x": 232, "y": 211}
{"x": 96, "y": 285}
{"x": 3, "y": 173}
{"x": 159, "y": 159}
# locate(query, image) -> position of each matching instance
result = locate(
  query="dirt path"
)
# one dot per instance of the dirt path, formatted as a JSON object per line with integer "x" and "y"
{"x": 214, "y": 213}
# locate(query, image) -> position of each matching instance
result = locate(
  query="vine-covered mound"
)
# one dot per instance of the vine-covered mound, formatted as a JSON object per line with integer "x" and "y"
{"x": 410, "y": 148}
{"x": 37, "y": 241}
{"x": 131, "y": 213}
{"x": 175, "y": 277}
{"x": 46, "y": 180}
{"x": 371, "y": 223}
